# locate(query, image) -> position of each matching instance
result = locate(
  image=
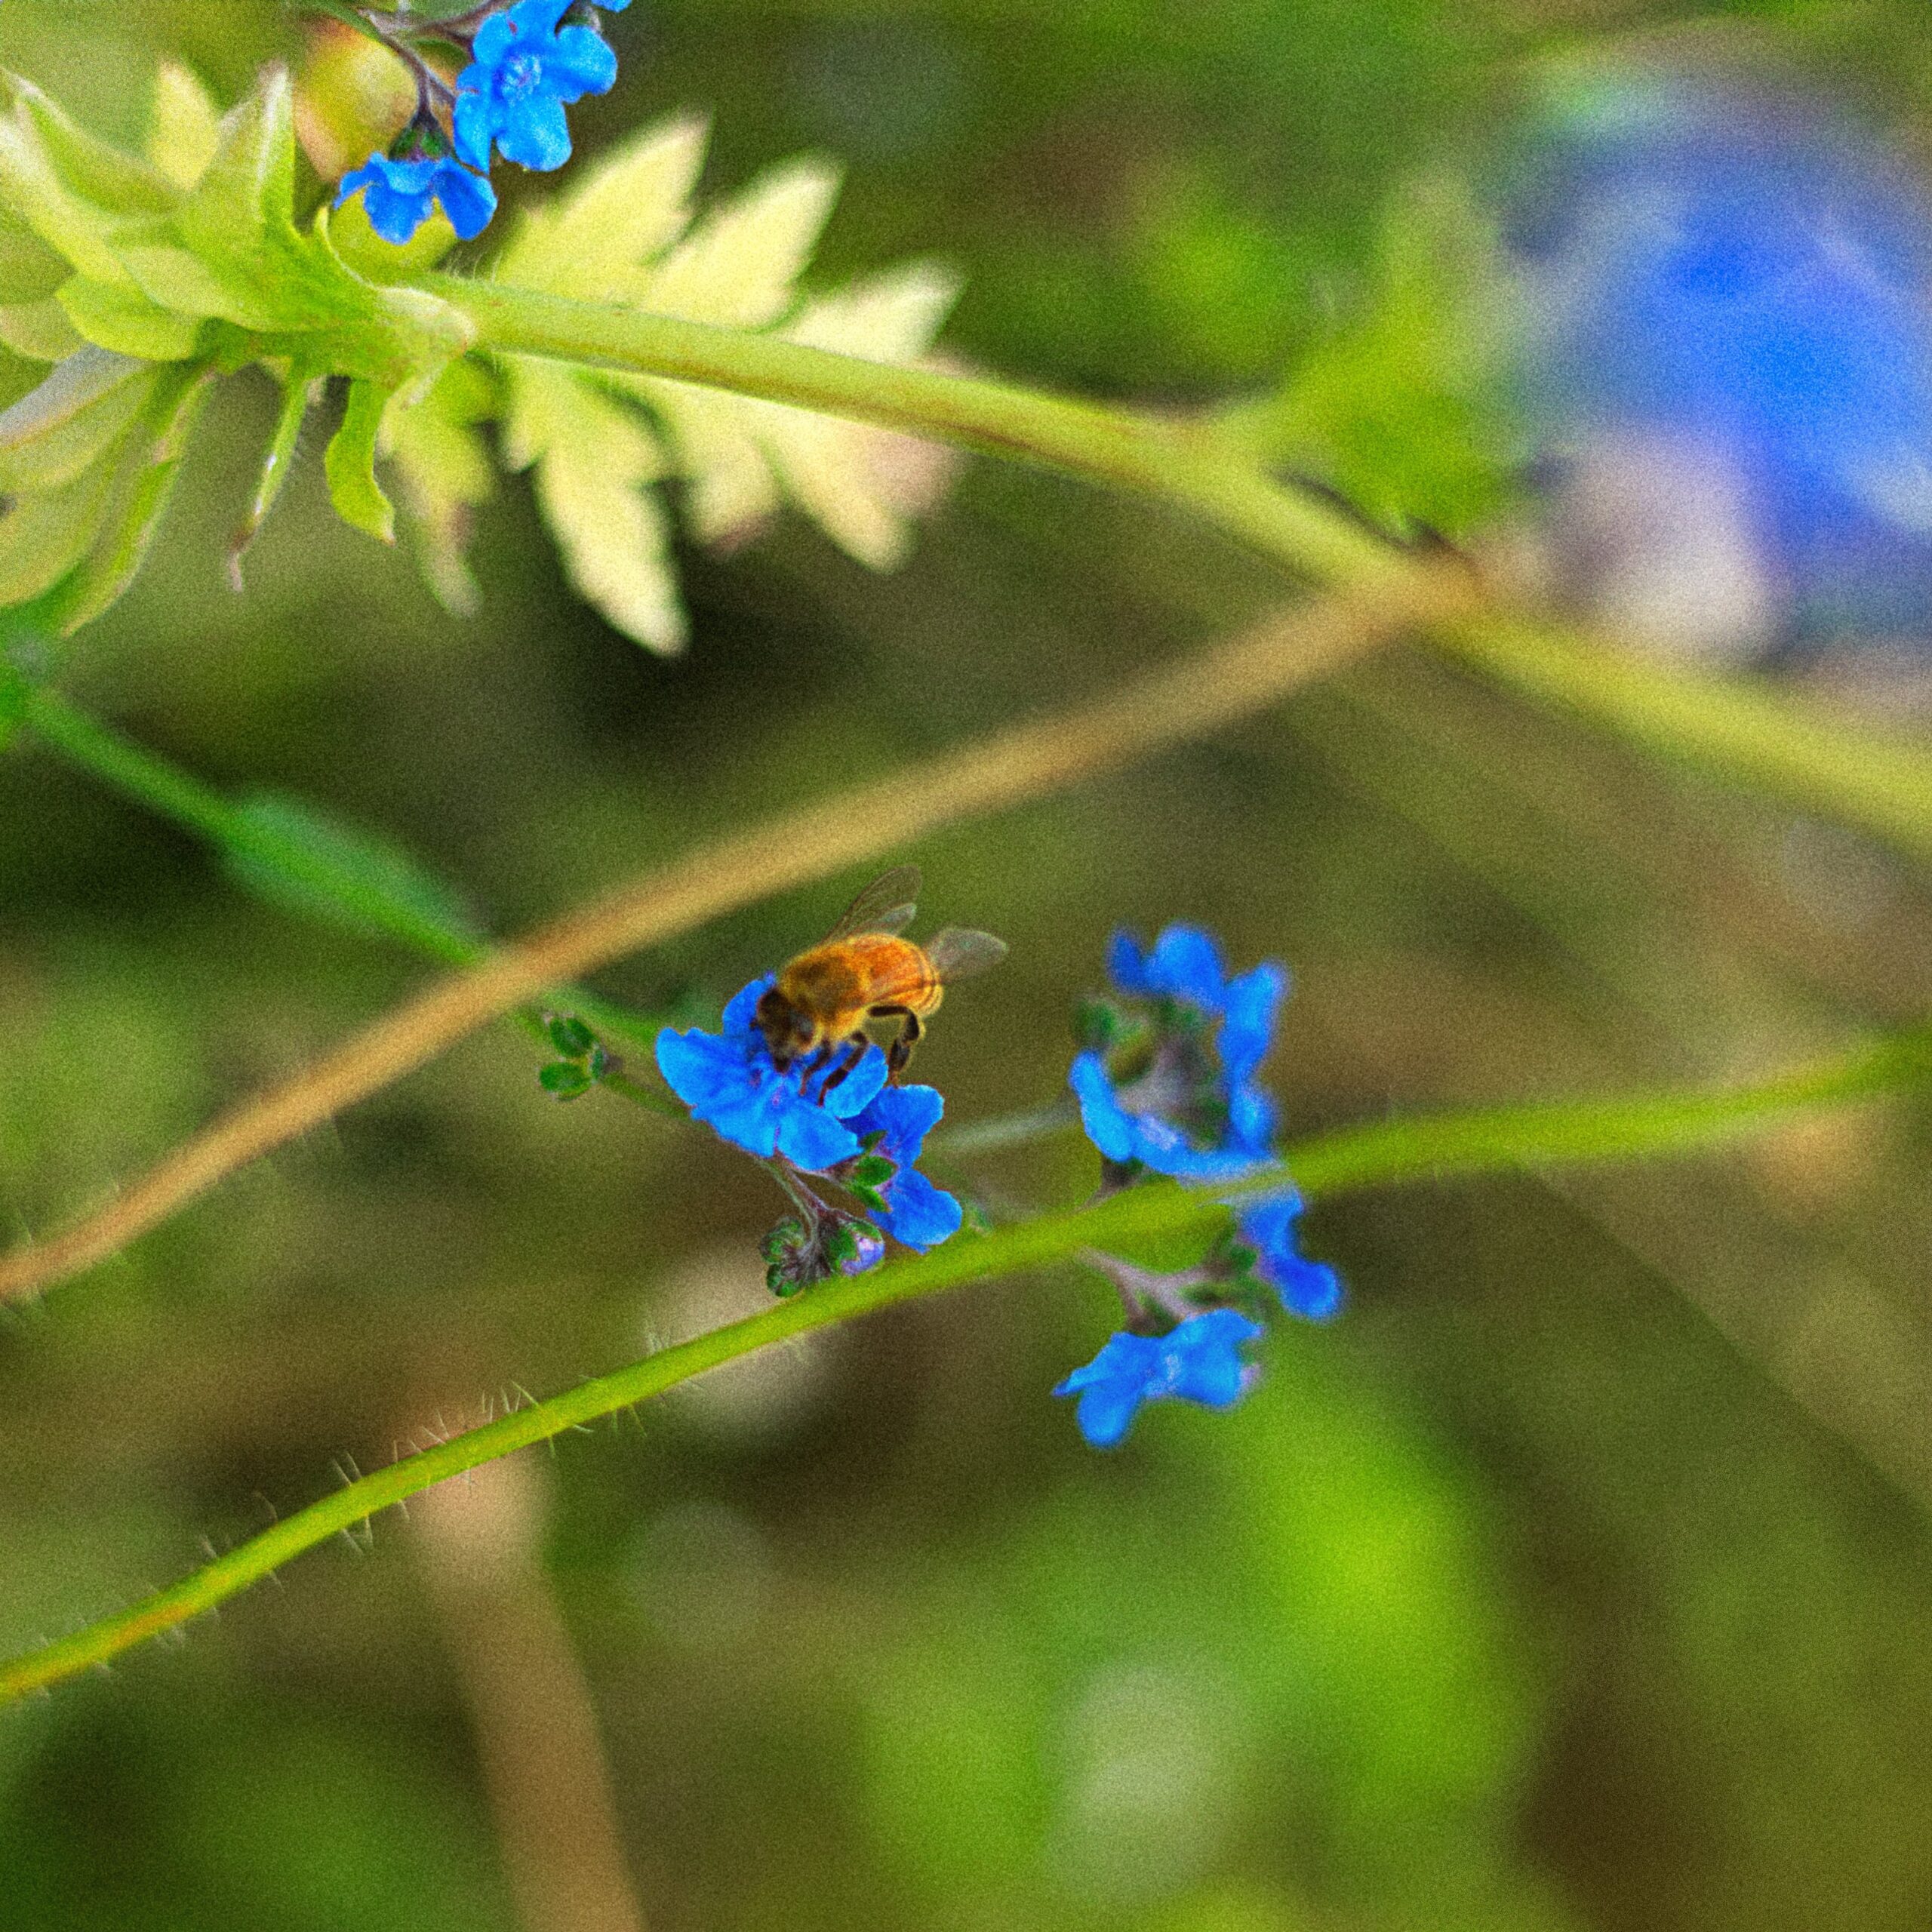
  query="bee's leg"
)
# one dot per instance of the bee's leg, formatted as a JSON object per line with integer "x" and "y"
{"x": 911, "y": 1032}
{"x": 855, "y": 1051}
{"x": 818, "y": 1062}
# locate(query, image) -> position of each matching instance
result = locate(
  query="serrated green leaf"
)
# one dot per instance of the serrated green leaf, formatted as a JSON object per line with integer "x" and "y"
{"x": 145, "y": 481}
{"x": 626, "y": 210}
{"x": 184, "y": 128}
{"x": 115, "y": 315}
{"x": 593, "y": 459}
{"x": 350, "y": 465}
{"x": 738, "y": 268}
{"x": 40, "y": 330}
{"x": 310, "y": 862}
{"x": 86, "y": 404}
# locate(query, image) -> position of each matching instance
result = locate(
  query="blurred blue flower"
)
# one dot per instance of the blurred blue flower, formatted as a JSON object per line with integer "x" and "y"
{"x": 916, "y": 1212}
{"x": 1270, "y": 1226}
{"x": 1198, "y": 1361}
{"x": 1734, "y": 362}
{"x": 398, "y": 195}
{"x": 729, "y": 1081}
{"x": 1195, "y": 1112}
{"x": 524, "y": 70}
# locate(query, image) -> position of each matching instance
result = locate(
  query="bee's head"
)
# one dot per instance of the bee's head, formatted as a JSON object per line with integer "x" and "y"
{"x": 787, "y": 1032}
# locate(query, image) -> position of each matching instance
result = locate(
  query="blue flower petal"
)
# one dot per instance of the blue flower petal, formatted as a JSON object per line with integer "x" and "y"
{"x": 1254, "y": 1000}
{"x": 467, "y": 200}
{"x": 905, "y": 1115}
{"x": 753, "y": 1118}
{"x": 1107, "y": 1124}
{"x": 809, "y": 1138}
{"x": 578, "y": 63}
{"x": 859, "y": 1087}
{"x": 917, "y": 1213}
{"x": 1309, "y": 1289}
{"x": 1186, "y": 964}
{"x": 533, "y": 19}
{"x": 1199, "y": 1361}
{"x": 1122, "y": 1355}
{"x": 741, "y": 1010}
{"x": 475, "y": 118}
{"x": 1126, "y": 966}
{"x": 496, "y": 40}
{"x": 537, "y": 135}
{"x": 1106, "y": 1412}
{"x": 1203, "y": 1362}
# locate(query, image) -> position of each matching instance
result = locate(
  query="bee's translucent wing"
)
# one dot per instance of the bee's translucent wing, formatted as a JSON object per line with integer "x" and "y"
{"x": 886, "y": 906}
{"x": 958, "y": 952}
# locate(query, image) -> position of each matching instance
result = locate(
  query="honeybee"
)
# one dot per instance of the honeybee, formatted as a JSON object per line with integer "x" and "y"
{"x": 862, "y": 970}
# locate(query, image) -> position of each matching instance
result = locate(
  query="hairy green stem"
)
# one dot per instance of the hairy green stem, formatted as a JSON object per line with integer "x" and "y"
{"x": 1482, "y": 1141}
{"x": 1763, "y": 740}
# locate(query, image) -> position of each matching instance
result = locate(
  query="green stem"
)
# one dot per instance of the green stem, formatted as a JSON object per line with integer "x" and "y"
{"x": 1485, "y": 1141}
{"x": 180, "y": 797}
{"x": 1767, "y": 741}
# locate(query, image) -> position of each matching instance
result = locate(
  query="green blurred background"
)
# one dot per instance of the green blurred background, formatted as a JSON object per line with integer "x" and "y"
{"x": 1579, "y": 1577}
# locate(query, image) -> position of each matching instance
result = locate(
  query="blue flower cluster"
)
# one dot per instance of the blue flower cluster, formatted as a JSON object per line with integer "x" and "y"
{"x": 1193, "y": 1108}
{"x": 526, "y": 64}
{"x": 865, "y": 1134}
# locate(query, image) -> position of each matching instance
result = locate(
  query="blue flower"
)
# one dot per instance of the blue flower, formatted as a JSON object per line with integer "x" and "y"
{"x": 398, "y": 196}
{"x": 1198, "y": 1361}
{"x": 1196, "y": 1113}
{"x": 1735, "y": 377}
{"x": 916, "y": 1212}
{"x": 1268, "y": 1225}
{"x": 729, "y": 1081}
{"x": 524, "y": 71}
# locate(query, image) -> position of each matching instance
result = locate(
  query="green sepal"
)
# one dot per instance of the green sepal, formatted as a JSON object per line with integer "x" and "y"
{"x": 117, "y": 315}
{"x": 564, "y": 1080}
{"x": 350, "y": 465}
{"x": 874, "y": 1170}
{"x": 869, "y": 1196}
{"x": 570, "y": 1036}
{"x": 146, "y": 481}
{"x": 298, "y": 396}
{"x": 787, "y": 1238}
{"x": 841, "y": 1244}
{"x": 85, "y": 405}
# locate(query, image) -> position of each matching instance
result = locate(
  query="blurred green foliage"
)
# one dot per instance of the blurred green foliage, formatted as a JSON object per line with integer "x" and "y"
{"x": 1578, "y": 1576}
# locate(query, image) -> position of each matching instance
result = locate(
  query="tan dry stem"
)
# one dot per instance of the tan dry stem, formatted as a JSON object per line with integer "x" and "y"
{"x": 1213, "y": 687}
{"x": 544, "y": 1765}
